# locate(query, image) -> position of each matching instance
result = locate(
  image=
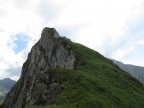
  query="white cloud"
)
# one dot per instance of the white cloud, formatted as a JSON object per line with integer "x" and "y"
{"x": 121, "y": 53}
{"x": 104, "y": 25}
{"x": 101, "y": 18}
{"x": 141, "y": 42}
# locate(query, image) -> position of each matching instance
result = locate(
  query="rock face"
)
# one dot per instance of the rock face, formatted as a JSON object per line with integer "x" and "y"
{"x": 135, "y": 71}
{"x": 35, "y": 85}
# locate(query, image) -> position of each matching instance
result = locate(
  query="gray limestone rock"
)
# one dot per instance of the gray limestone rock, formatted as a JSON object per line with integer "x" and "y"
{"x": 35, "y": 85}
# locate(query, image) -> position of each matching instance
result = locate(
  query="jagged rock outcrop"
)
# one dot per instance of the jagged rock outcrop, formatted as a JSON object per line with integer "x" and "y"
{"x": 135, "y": 71}
{"x": 36, "y": 85}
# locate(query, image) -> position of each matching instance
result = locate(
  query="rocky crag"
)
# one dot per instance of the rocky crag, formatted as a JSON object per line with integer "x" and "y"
{"x": 35, "y": 85}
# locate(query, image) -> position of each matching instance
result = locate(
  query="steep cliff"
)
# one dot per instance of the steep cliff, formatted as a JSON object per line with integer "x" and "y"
{"x": 35, "y": 84}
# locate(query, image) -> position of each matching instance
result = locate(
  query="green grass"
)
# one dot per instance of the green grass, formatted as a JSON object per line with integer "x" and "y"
{"x": 96, "y": 83}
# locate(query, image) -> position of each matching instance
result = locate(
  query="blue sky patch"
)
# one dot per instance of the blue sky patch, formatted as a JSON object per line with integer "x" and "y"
{"x": 20, "y": 42}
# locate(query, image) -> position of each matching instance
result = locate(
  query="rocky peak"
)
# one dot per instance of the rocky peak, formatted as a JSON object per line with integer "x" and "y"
{"x": 36, "y": 84}
{"x": 50, "y": 33}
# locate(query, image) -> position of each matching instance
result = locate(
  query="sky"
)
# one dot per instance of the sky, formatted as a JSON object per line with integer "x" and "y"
{"x": 114, "y": 28}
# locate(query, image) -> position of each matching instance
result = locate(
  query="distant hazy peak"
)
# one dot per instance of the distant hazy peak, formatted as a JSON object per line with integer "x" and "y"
{"x": 135, "y": 71}
{"x": 7, "y": 79}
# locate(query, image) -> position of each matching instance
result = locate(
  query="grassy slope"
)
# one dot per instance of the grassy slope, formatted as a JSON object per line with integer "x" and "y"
{"x": 96, "y": 83}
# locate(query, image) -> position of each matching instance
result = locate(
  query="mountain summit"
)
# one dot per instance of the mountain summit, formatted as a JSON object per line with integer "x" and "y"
{"x": 49, "y": 32}
{"x": 35, "y": 84}
{"x": 65, "y": 74}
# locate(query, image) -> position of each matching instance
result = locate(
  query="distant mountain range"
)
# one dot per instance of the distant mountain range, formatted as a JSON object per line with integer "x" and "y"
{"x": 135, "y": 71}
{"x": 5, "y": 86}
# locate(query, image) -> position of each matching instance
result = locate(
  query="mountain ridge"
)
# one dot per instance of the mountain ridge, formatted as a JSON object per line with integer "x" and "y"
{"x": 65, "y": 74}
{"x": 136, "y": 71}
